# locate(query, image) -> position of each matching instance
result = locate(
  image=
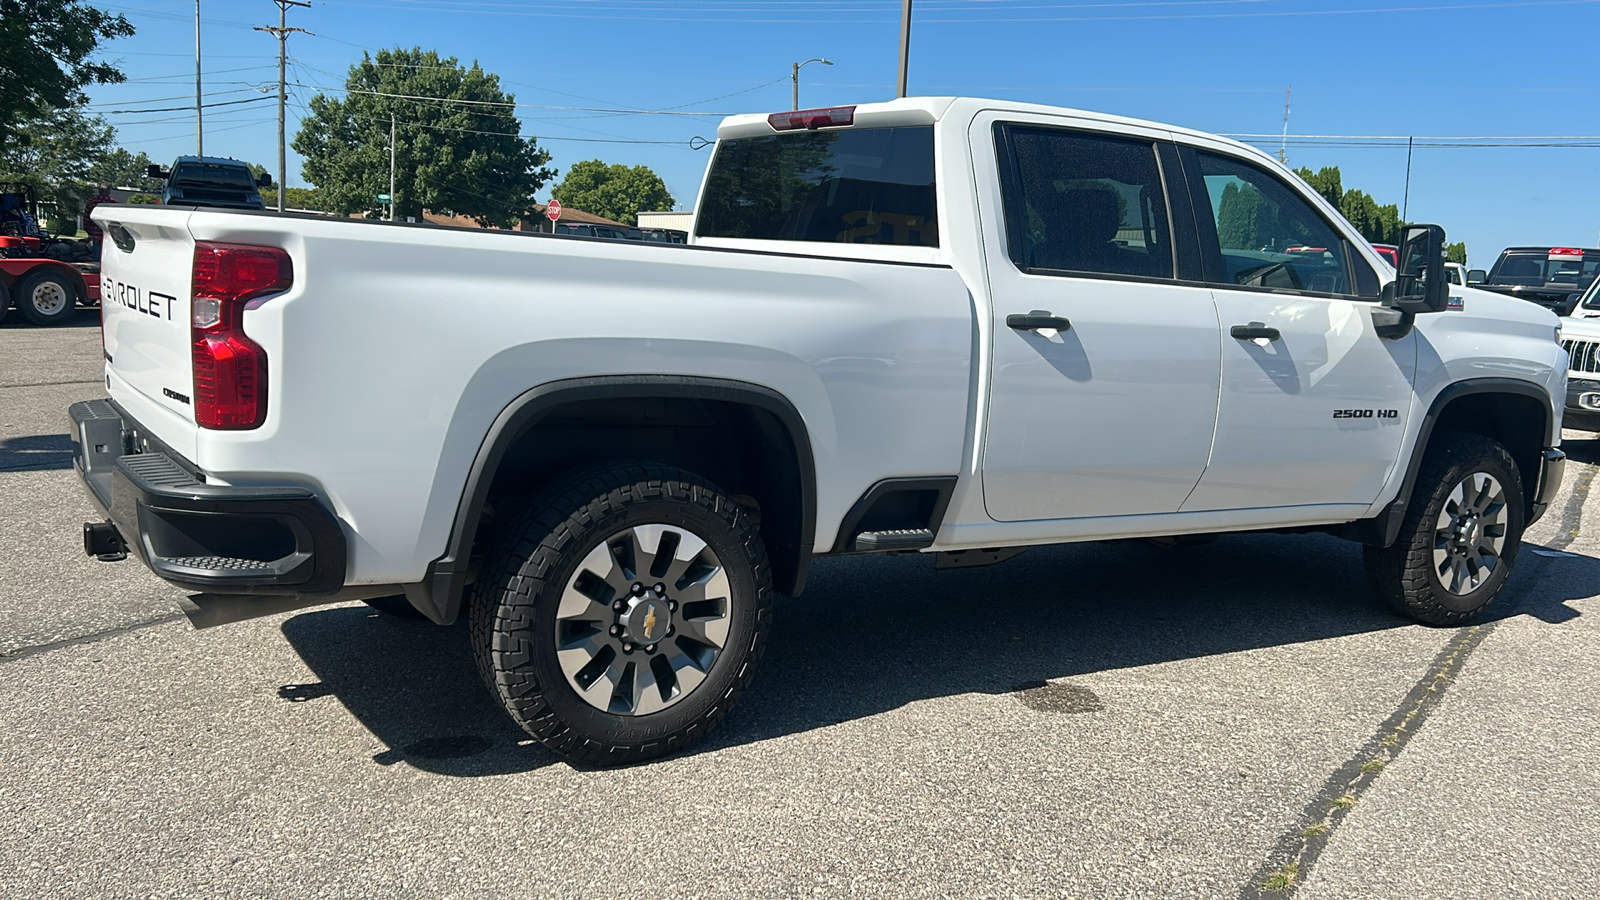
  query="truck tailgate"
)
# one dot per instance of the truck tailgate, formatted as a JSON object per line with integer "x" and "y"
{"x": 144, "y": 312}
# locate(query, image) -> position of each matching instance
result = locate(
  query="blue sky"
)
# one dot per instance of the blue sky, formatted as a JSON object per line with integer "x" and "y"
{"x": 1436, "y": 68}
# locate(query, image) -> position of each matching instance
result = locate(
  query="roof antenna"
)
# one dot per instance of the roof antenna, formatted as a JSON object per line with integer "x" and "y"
{"x": 1283, "y": 148}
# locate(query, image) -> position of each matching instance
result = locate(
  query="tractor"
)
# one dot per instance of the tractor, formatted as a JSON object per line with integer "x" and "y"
{"x": 45, "y": 277}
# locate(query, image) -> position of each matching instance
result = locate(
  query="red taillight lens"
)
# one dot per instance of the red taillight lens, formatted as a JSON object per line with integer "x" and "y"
{"x": 1565, "y": 252}
{"x": 230, "y": 370}
{"x": 811, "y": 119}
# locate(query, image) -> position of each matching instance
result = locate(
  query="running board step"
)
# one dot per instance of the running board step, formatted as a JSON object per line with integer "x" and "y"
{"x": 900, "y": 539}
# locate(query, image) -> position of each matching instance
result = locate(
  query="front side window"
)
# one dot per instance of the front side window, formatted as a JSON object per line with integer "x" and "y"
{"x": 1268, "y": 235}
{"x": 1082, "y": 203}
{"x": 851, "y": 186}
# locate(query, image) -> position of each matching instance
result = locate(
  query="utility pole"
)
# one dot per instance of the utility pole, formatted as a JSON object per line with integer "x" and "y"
{"x": 199, "y": 132}
{"x": 1405, "y": 208}
{"x": 282, "y": 34}
{"x": 794, "y": 76}
{"x": 1283, "y": 148}
{"x": 391, "y": 165}
{"x": 905, "y": 43}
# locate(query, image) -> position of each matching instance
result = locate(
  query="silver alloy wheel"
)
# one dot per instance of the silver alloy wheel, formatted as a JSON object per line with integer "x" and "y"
{"x": 47, "y": 297}
{"x": 643, "y": 619}
{"x": 1470, "y": 533}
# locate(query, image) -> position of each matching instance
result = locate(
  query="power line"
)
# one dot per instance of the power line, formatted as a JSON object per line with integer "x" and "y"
{"x": 112, "y": 112}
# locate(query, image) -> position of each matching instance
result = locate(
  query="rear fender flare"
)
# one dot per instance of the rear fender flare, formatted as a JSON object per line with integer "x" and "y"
{"x": 439, "y": 595}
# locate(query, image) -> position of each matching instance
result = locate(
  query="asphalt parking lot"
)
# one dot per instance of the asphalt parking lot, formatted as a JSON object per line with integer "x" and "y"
{"x": 1086, "y": 721}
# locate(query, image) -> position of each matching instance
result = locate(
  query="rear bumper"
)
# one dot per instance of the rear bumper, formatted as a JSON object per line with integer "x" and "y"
{"x": 218, "y": 539}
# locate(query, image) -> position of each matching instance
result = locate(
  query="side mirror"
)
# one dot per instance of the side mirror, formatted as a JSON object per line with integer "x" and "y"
{"x": 1477, "y": 276}
{"x": 155, "y": 171}
{"x": 1421, "y": 285}
{"x": 264, "y": 180}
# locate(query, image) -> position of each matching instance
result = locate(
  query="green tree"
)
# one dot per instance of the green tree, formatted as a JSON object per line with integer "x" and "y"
{"x": 458, "y": 147}
{"x": 1379, "y": 224}
{"x": 1246, "y": 220}
{"x": 55, "y": 155}
{"x": 45, "y": 50}
{"x": 1325, "y": 181}
{"x": 1456, "y": 253}
{"x": 616, "y": 192}
{"x": 302, "y": 198}
{"x": 119, "y": 168}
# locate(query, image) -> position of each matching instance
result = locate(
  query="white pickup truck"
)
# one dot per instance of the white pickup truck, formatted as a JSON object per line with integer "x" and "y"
{"x": 951, "y": 326}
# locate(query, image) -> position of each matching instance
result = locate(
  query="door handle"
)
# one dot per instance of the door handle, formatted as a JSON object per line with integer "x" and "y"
{"x": 1036, "y": 320}
{"x": 1253, "y": 331}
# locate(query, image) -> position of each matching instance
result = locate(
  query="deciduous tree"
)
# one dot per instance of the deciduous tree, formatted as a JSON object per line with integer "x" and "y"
{"x": 61, "y": 149}
{"x": 46, "y": 50}
{"x": 458, "y": 146}
{"x": 616, "y": 192}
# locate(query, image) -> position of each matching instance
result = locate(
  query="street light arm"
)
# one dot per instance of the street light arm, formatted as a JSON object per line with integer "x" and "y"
{"x": 794, "y": 76}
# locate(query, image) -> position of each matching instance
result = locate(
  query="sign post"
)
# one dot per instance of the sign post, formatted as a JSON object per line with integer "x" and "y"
{"x": 554, "y": 212}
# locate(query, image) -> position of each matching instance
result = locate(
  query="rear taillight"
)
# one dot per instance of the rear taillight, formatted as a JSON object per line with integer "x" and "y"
{"x": 811, "y": 119}
{"x": 230, "y": 370}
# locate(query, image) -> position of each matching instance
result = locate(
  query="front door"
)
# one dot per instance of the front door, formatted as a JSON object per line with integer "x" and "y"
{"x": 1105, "y": 369}
{"x": 1314, "y": 401}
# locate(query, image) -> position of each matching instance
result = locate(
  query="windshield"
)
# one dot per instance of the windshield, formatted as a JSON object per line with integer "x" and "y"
{"x": 854, "y": 186}
{"x": 1591, "y": 297}
{"x": 213, "y": 173}
{"x": 1538, "y": 269}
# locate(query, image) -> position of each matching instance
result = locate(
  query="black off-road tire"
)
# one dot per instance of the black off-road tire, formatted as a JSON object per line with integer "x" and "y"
{"x": 539, "y": 547}
{"x": 43, "y": 284}
{"x": 1404, "y": 574}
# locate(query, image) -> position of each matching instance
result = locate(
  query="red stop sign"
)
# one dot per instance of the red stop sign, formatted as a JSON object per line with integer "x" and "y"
{"x": 553, "y": 210}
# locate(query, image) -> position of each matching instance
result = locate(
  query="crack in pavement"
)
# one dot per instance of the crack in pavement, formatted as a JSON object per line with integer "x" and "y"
{"x": 1291, "y": 859}
{"x": 50, "y": 383}
{"x": 36, "y": 649}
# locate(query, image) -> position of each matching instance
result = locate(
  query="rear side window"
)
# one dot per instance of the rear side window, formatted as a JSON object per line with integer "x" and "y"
{"x": 1083, "y": 203}
{"x": 851, "y": 186}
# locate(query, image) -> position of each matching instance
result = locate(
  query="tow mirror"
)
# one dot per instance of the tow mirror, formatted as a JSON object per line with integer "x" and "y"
{"x": 1477, "y": 276}
{"x": 1421, "y": 285}
{"x": 264, "y": 180}
{"x": 155, "y": 171}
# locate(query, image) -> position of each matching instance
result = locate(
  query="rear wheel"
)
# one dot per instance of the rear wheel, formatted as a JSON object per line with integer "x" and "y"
{"x": 46, "y": 298}
{"x": 623, "y": 612}
{"x": 1460, "y": 535}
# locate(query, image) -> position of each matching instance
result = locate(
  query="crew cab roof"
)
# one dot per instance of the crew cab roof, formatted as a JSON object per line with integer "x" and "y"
{"x": 928, "y": 110}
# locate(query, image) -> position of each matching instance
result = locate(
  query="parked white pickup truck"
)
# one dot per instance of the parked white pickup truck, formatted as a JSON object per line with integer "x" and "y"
{"x": 950, "y": 326}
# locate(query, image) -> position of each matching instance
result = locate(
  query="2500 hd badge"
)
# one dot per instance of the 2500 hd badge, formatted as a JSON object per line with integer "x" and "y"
{"x": 1366, "y": 414}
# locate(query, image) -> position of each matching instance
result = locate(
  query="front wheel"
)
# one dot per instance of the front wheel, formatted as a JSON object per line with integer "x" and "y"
{"x": 46, "y": 298}
{"x": 1460, "y": 534}
{"x": 622, "y": 612}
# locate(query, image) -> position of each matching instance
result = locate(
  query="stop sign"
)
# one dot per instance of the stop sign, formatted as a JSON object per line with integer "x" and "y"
{"x": 553, "y": 210}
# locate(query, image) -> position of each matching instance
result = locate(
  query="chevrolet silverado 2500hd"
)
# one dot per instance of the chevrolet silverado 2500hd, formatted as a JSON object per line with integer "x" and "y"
{"x": 951, "y": 326}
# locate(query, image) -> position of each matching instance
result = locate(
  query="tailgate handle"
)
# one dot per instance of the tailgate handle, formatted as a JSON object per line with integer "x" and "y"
{"x": 120, "y": 236}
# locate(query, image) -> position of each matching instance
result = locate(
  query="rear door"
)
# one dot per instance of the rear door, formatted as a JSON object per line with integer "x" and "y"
{"x": 145, "y": 268}
{"x": 1105, "y": 365}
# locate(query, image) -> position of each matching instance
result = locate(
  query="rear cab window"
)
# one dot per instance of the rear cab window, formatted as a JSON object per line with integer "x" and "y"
{"x": 854, "y": 185}
{"x": 1537, "y": 267}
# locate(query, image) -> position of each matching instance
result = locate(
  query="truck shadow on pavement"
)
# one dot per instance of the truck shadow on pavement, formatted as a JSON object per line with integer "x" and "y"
{"x": 875, "y": 633}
